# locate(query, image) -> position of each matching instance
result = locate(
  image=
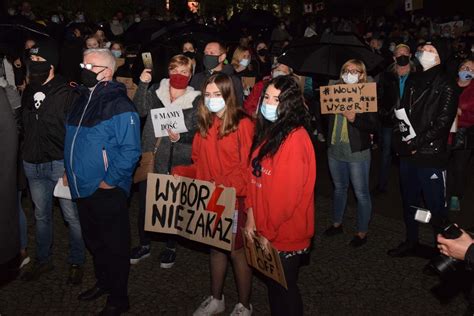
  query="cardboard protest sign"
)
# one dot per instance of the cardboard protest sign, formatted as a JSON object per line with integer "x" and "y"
{"x": 268, "y": 264}
{"x": 194, "y": 209}
{"x": 119, "y": 62}
{"x": 170, "y": 117}
{"x": 361, "y": 97}
{"x": 130, "y": 85}
{"x": 451, "y": 29}
{"x": 411, "y": 5}
{"x": 248, "y": 82}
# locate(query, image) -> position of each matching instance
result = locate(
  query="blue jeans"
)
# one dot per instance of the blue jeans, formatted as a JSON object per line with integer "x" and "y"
{"x": 23, "y": 225}
{"x": 386, "y": 159}
{"x": 42, "y": 179}
{"x": 342, "y": 174}
{"x": 415, "y": 183}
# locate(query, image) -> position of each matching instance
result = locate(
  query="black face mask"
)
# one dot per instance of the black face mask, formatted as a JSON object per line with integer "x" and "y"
{"x": 191, "y": 55}
{"x": 38, "y": 72}
{"x": 402, "y": 60}
{"x": 89, "y": 78}
{"x": 210, "y": 62}
{"x": 262, "y": 52}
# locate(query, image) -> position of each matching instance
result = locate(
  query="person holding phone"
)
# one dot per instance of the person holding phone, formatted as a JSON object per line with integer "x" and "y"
{"x": 172, "y": 150}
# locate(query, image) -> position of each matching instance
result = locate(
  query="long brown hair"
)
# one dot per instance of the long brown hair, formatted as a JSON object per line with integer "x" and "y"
{"x": 232, "y": 113}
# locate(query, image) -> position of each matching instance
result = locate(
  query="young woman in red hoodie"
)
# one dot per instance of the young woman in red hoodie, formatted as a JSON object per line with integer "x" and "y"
{"x": 220, "y": 154}
{"x": 280, "y": 194}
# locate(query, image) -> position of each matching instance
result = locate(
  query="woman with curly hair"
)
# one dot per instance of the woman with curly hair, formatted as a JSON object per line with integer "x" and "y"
{"x": 280, "y": 194}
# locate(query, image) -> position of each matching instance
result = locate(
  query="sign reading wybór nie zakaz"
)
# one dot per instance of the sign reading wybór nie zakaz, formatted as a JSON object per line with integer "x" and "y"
{"x": 360, "y": 97}
{"x": 194, "y": 209}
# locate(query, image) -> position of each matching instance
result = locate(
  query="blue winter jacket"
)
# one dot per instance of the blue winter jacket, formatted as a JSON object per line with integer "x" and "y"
{"x": 102, "y": 139}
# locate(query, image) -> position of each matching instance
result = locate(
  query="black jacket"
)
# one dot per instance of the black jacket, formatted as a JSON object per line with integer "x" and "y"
{"x": 359, "y": 131}
{"x": 388, "y": 94}
{"x": 430, "y": 100}
{"x": 198, "y": 80}
{"x": 44, "y": 116}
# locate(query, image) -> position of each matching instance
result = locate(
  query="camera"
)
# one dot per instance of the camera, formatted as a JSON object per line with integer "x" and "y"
{"x": 442, "y": 263}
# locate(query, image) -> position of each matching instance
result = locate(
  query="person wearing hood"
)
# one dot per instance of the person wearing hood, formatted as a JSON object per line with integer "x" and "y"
{"x": 172, "y": 150}
{"x": 46, "y": 102}
{"x": 102, "y": 147}
{"x": 430, "y": 105}
{"x": 213, "y": 60}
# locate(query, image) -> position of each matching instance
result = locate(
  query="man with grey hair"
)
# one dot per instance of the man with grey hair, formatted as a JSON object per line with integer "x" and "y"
{"x": 102, "y": 147}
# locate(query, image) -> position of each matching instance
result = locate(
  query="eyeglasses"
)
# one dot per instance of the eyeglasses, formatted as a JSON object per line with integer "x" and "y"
{"x": 90, "y": 66}
{"x": 352, "y": 72}
{"x": 257, "y": 168}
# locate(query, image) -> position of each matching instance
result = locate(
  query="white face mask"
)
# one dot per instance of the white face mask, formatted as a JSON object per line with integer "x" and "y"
{"x": 278, "y": 73}
{"x": 214, "y": 104}
{"x": 244, "y": 62}
{"x": 350, "y": 78}
{"x": 427, "y": 60}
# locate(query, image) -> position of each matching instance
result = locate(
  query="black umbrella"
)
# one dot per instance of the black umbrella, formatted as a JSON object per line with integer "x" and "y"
{"x": 253, "y": 19}
{"x": 327, "y": 54}
{"x": 15, "y": 31}
{"x": 140, "y": 33}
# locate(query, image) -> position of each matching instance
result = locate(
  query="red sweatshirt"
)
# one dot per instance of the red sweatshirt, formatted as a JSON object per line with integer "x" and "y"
{"x": 251, "y": 103}
{"x": 466, "y": 104}
{"x": 221, "y": 160}
{"x": 282, "y": 199}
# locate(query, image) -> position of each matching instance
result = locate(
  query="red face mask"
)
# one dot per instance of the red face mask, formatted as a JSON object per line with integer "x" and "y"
{"x": 179, "y": 81}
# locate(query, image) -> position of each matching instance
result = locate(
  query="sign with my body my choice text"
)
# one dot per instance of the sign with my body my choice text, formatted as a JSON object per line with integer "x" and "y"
{"x": 168, "y": 118}
{"x": 360, "y": 97}
{"x": 194, "y": 209}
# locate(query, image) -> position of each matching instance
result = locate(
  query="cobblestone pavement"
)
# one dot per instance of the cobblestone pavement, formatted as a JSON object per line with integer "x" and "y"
{"x": 339, "y": 280}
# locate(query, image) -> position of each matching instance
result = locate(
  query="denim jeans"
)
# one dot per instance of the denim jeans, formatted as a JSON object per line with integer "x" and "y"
{"x": 357, "y": 173}
{"x": 23, "y": 225}
{"x": 417, "y": 183}
{"x": 42, "y": 179}
{"x": 386, "y": 159}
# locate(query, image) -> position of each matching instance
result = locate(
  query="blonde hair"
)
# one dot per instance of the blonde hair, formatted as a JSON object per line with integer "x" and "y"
{"x": 180, "y": 60}
{"x": 238, "y": 54}
{"x": 360, "y": 67}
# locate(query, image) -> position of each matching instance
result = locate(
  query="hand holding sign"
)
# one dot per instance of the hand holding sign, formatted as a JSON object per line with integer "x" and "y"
{"x": 168, "y": 119}
{"x": 341, "y": 98}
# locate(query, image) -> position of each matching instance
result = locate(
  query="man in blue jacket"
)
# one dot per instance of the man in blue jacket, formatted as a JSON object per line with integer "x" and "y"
{"x": 101, "y": 150}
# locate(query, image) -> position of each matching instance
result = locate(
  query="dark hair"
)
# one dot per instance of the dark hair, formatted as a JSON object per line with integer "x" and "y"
{"x": 292, "y": 113}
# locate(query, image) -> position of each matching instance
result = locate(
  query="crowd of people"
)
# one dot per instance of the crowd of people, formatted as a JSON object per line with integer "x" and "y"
{"x": 77, "y": 124}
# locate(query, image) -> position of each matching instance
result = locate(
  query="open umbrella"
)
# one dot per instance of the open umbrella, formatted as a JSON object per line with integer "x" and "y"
{"x": 140, "y": 33}
{"x": 15, "y": 31}
{"x": 327, "y": 54}
{"x": 253, "y": 20}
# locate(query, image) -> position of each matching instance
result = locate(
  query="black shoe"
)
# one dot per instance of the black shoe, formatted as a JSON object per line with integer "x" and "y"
{"x": 333, "y": 231}
{"x": 92, "y": 294}
{"x": 167, "y": 258}
{"x": 357, "y": 241}
{"x": 36, "y": 270}
{"x": 75, "y": 275}
{"x": 405, "y": 249}
{"x": 111, "y": 310}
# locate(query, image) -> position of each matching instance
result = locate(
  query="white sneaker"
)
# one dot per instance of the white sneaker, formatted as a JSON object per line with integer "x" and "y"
{"x": 24, "y": 262}
{"x": 210, "y": 306}
{"x": 241, "y": 310}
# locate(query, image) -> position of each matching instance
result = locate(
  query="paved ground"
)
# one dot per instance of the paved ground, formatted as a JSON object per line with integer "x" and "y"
{"x": 338, "y": 280}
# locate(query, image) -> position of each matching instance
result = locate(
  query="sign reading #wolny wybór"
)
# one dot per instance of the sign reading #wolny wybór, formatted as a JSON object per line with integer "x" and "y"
{"x": 194, "y": 209}
{"x": 360, "y": 97}
{"x": 168, "y": 118}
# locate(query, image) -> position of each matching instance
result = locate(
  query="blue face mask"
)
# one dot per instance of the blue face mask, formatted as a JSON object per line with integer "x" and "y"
{"x": 269, "y": 111}
{"x": 116, "y": 53}
{"x": 465, "y": 75}
{"x": 214, "y": 104}
{"x": 244, "y": 62}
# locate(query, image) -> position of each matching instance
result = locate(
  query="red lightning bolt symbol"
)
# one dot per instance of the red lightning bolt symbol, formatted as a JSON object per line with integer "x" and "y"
{"x": 212, "y": 206}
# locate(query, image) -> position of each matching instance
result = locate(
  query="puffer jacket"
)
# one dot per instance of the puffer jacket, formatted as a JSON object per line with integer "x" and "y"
{"x": 430, "y": 101}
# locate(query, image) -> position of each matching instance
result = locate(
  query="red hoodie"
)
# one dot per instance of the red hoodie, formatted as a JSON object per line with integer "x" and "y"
{"x": 466, "y": 104}
{"x": 221, "y": 160}
{"x": 282, "y": 199}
